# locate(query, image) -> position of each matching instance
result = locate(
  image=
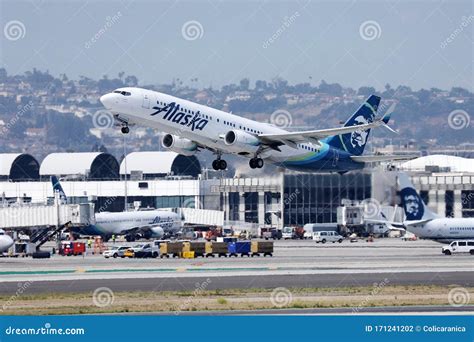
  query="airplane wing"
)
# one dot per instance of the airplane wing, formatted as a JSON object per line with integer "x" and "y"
{"x": 291, "y": 138}
{"x": 381, "y": 158}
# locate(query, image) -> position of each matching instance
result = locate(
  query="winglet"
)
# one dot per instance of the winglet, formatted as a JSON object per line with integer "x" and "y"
{"x": 386, "y": 118}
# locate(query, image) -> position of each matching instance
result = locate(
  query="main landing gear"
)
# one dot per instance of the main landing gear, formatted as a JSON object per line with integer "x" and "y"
{"x": 125, "y": 129}
{"x": 256, "y": 163}
{"x": 219, "y": 164}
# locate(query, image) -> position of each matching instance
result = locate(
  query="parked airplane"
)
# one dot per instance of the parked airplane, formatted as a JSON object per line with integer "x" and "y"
{"x": 5, "y": 241}
{"x": 190, "y": 127}
{"x": 148, "y": 223}
{"x": 421, "y": 221}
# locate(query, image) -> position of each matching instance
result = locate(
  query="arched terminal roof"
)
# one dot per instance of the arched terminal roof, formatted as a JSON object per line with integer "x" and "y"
{"x": 18, "y": 167}
{"x": 159, "y": 164}
{"x": 92, "y": 165}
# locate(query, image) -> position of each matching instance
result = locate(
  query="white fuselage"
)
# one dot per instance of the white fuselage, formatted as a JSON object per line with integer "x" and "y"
{"x": 445, "y": 229}
{"x": 5, "y": 242}
{"x": 108, "y": 223}
{"x": 208, "y": 126}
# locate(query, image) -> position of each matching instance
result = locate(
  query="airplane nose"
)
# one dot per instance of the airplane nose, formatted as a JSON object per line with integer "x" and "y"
{"x": 6, "y": 243}
{"x": 107, "y": 100}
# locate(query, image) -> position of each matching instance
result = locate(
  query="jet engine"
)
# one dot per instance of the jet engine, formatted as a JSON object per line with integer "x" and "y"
{"x": 179, "y": 145}
{"x": 241, "y": 141}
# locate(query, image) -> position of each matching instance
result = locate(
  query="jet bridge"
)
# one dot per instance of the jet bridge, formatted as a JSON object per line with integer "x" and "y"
{"x": 28, "y": 215}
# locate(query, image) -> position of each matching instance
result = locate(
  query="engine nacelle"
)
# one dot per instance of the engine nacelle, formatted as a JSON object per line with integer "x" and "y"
{"x": 241, "y": 141}
{"x": 157, "y": 232}
{"x": 179, "y": 145}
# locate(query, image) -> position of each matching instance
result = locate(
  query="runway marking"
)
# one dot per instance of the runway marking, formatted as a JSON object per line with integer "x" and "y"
{"x": 269, "y": 269}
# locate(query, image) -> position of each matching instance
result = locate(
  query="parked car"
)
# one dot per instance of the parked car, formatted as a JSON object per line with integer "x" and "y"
{"x": 465, "y": 246}
{"x": 287, "y": 233}
{"x": 327, "y": 236}
{"x": 115, "y": 251}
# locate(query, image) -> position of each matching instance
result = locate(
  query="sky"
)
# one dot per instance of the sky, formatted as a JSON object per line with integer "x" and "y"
{"x": 421, "y": 44}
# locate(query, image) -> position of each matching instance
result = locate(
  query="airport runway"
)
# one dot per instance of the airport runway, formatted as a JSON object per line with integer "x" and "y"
{"x": 243, "y": 282}
{"x": 380, "y": 310}
{"x": 295, "y": 264}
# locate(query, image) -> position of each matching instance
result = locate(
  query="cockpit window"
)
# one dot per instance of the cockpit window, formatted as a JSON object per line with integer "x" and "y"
{"x": 122, "y": 92}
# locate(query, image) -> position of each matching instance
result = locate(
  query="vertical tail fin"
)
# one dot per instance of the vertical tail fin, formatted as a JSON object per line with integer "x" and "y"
{"x": 57, "y": 187}
{"x": 413, "y": 205}
{"x": 355, "y": 142}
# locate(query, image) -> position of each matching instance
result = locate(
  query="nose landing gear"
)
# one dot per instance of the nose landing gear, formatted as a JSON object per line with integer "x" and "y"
{"x": 125, "y": 129}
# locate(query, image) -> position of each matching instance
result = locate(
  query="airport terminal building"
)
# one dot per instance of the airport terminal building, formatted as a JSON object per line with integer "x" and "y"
{"x": 170, "y": 180}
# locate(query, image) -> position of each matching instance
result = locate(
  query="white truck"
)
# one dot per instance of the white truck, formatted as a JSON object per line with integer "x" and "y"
{"x": 327, "y": 236}
{"x": 311, "y": 228}
{"x": 465, "y": 246}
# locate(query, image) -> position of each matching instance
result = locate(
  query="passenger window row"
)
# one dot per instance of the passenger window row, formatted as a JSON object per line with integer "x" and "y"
{"x": 228, "y": 123}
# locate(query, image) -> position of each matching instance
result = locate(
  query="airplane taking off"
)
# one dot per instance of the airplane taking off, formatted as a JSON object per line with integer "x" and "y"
{"x": 133, "y": 224}
{"x": 421, "y": 221}
{"x": 191, "y": 127}
{"x": 5, "y": 241}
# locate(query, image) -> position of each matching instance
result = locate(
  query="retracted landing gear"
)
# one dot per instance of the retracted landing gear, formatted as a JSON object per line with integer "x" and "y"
{"x": 256, "y": 163}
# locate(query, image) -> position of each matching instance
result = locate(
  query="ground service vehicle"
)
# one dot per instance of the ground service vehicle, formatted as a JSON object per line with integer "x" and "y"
{"x": 466, "y": 246}
{"x": 327, "y": 236}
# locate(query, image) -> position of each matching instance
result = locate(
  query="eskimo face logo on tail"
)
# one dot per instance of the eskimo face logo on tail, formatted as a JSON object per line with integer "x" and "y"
{"x": 355, "y": 141}
{"x": 174, "y": 114}
{"x": 359, "y": 138}
{"x": 412, "y": 204}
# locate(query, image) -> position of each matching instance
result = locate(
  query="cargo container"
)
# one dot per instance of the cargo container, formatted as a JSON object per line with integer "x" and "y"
{"x": 262, "y": 247}
{"x": 173, "y": 249}
{"x": 219, "y": 248}
{"x": 232, "y": 249}
{"x": 243, "y": 248}
{"x": 199, "y": 248}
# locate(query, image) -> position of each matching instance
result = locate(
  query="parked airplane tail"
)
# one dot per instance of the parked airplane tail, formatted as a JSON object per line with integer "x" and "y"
{"x": 414, "y": 207}
{"x": 57, "y": 187}
{"x": 355, "y": 142}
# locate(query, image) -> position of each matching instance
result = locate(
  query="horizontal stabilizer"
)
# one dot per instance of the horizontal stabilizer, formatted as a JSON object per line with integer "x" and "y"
{"x": 415, "y": 223}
